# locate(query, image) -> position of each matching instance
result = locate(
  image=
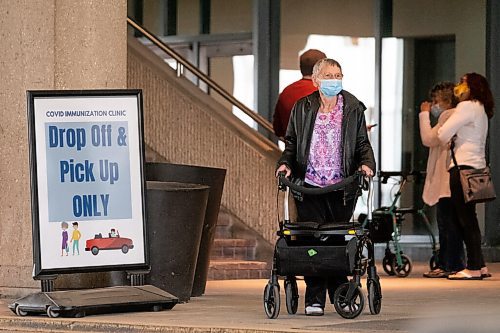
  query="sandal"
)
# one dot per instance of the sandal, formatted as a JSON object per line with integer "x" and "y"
{"x": 436, "y": 273}
{"x": 464, "y": 275}
{"x": 484, "y": 272}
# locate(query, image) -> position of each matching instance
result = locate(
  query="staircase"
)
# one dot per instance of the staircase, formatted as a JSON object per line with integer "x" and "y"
{"x": 233, "y": 257}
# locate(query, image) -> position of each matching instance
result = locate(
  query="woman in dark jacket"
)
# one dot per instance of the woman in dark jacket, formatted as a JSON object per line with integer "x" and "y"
{"x": 326, "y": 141}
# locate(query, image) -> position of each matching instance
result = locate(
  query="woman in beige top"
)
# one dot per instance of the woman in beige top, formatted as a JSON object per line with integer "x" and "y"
{"x": 437, "y": 182}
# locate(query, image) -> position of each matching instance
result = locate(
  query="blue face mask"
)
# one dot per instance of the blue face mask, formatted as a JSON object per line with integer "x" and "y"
{"x": 436, "y": 110}
{"x": 330, "y": 88}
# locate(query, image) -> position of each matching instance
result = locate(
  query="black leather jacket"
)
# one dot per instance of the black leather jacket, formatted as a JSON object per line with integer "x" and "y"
{"x": 357, "y": 149}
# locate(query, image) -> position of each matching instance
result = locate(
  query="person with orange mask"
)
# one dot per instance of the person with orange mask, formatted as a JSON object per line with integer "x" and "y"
{"x": 468, "y": 129}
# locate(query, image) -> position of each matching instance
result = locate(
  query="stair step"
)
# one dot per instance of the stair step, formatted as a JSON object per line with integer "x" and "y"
{"x": 235, "y": 242}
{"x": 238, "y": 269}
{"x": 239, "y": 249}
{"x": 224, "y": 219}
{"x": 234, "y": 258}
{"x": 223, "y": 231}
{"x": 224, "y": 225}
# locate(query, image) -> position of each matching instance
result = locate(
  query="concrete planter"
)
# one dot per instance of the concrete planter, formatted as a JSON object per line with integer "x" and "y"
{"x": 176, "y": 214}
{"x": 212, "y": 177}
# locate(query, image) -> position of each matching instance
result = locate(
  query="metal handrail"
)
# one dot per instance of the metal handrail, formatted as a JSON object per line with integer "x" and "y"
{"x": 181, "y": 62}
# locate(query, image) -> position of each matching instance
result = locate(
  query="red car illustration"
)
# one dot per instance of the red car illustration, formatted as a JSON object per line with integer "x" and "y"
{"x": 99, "y": 243}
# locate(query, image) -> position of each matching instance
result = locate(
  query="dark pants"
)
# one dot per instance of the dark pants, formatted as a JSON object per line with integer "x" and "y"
{"x": 451, "y": 245}
{"x": 327, "y": 208}
{"x": 467, "y": 223}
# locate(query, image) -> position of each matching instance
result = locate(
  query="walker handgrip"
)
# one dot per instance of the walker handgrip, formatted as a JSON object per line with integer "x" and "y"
{"x": 319, "y": 190}
{"x": 281, "y": 186}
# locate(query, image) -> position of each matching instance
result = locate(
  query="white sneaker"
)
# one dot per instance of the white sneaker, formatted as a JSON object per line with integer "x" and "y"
{"x": 314, "y": 310}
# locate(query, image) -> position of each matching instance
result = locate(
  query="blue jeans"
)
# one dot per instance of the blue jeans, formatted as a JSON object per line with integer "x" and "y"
{"x": 76, "y": 246}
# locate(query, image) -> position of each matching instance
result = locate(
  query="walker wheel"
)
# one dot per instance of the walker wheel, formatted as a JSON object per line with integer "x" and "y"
{"x": 292, "y": 295}
{"x": 348, "y": 307}
{"x": 434, "y": 262}
{"x": 374, "y": 296}
{"x": 387, "y": 264}
{"x": 405, "y": 269}
{"x": 272, "y": 300}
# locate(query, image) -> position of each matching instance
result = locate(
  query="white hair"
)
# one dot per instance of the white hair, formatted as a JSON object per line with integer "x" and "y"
{"x": 322, "y": 63}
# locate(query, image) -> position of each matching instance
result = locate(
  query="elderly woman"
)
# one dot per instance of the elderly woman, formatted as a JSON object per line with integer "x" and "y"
{"x": 326, "y": 141}
{"x": 468, "y": 127}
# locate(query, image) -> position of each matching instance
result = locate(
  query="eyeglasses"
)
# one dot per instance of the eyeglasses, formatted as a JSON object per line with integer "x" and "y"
{"x": 329, "y": 76}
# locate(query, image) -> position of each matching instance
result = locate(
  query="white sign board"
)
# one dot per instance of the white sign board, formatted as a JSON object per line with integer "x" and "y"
{"x": 86, "y": 151}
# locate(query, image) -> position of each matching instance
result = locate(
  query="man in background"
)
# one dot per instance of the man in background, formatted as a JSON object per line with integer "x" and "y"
{"x": 295, "y": 91}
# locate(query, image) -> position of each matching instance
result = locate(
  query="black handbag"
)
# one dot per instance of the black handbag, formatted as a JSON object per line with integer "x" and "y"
{"x": 476, "y": 183}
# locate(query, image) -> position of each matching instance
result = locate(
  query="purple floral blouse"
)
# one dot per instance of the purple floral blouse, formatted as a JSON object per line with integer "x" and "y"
{"x": 324, "y": 166}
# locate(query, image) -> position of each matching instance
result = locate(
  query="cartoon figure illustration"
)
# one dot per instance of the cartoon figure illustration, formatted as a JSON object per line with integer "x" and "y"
{"x": 75, "y": 238}
{"x": 113, "y": 233}
{"x": 64, "y": 245}
{"x": 113, "y": 242}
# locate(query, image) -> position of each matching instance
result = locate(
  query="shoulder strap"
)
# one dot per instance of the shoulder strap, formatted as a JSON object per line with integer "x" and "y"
{"x": 452, "y": 147}
{"x": 487, "y": 145}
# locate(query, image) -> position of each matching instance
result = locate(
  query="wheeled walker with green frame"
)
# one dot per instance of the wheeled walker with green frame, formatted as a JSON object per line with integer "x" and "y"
{"x": 386, "y": 226}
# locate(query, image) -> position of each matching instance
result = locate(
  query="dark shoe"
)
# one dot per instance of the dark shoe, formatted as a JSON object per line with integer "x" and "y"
{"x": 436, "y": 273}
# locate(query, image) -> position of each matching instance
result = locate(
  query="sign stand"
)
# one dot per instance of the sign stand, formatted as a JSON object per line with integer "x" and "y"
{"x": 80, "y": 303}
{"x": 88, "y": 201}
{"x": 47, "y": 282}
{"x": 137, "y": 278}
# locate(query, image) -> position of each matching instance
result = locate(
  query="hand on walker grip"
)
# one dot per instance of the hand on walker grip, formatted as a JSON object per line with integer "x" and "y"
{"x": 283, "y": 169}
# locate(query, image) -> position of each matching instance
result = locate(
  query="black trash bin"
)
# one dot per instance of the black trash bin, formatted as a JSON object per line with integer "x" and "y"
{"x": 176, "y": 213}
{"x": 213, "y": 177}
